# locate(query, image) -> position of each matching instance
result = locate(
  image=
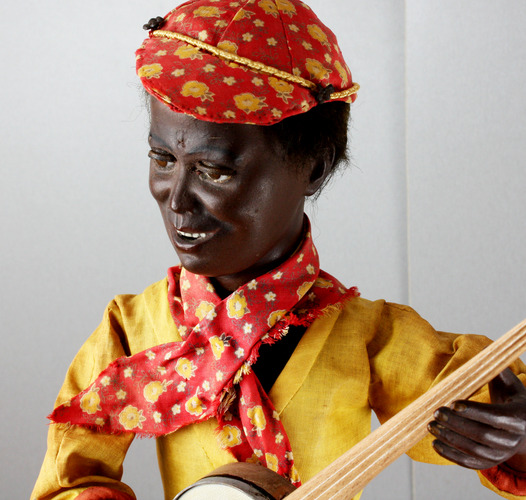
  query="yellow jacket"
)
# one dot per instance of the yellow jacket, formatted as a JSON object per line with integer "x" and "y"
{"x": 370, "y": 355}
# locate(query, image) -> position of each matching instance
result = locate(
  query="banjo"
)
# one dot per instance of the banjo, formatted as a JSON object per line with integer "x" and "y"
{"x": 349, "y": 474}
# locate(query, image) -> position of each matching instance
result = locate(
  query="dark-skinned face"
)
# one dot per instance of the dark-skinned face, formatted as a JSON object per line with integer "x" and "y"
{"x": 231, "y": 204}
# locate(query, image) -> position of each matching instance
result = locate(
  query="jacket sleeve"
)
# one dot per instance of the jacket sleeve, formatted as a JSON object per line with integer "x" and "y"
{"x": 78, "y": 460}
{"x": 404, "y": 340}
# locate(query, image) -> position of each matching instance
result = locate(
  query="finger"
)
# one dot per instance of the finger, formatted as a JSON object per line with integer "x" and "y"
{"x": 467, "y": 446}
{"x": 505, "y": 386}
{"x": 476, "y": 431}
{"x": 508, "y": 417}
{"x": 460, "y": 458}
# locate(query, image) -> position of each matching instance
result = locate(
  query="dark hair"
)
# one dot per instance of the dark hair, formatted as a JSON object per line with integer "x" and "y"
{"x": 311, "y": 134}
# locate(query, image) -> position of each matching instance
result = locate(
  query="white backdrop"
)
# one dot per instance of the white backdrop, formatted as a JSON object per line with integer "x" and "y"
{"x": 431, "y": 212}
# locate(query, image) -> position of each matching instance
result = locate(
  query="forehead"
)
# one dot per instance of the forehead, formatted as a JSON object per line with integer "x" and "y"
{"x": 176, "y": 129}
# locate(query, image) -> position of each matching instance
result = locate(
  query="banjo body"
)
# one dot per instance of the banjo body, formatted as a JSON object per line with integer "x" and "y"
{"x": 238, "y": 481}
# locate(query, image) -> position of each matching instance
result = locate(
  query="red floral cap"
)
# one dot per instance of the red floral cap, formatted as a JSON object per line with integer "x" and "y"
{"x": 251, "y": 61}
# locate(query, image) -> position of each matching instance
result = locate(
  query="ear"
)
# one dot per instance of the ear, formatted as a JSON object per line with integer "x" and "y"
{"x": 321, "y": 168}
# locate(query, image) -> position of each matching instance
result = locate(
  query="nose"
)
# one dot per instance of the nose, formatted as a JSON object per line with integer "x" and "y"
{"x": 181, "y": 197}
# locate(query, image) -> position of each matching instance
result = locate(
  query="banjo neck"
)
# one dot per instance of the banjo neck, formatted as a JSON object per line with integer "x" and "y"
{"x": 350, "y": 473}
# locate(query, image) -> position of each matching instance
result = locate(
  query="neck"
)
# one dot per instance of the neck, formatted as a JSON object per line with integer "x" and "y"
{"x": 225, "y": 285}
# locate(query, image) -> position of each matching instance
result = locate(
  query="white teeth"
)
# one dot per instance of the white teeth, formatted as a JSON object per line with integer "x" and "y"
{"x": 191, "y": 235}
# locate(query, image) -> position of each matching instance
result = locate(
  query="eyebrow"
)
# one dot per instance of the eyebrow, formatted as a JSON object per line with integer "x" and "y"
{"x": 208, "y": 147}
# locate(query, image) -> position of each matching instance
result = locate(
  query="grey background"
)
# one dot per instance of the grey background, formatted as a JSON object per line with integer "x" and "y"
{"x": 430, "y": 214}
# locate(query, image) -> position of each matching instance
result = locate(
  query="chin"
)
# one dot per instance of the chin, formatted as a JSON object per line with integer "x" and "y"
{"x": 196, "y": 265}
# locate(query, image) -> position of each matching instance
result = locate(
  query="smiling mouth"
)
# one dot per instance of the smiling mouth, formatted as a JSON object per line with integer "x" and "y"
{"x": 191, "y": 236}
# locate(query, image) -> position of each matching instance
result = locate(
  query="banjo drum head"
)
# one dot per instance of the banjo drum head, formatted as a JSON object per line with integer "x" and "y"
{"x": 238, "y": 481}
{"x": 222, "y": 488}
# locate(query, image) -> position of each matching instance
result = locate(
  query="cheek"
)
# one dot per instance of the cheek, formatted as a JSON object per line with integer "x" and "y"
{"x": 159, "y": 189}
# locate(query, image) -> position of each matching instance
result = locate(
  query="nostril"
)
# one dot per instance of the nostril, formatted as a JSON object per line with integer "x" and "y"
{"x": 181, "y": 199}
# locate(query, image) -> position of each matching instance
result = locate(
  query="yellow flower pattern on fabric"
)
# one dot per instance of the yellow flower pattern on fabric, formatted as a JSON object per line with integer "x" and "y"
{"x": 318, "y": 34}
{"x": 208, "y": 12}
{"x": 304, "y": 288}
{"x": 154, "y": 70}
{"x": 284, "y": 89}
{"x": 249, "y": 103}
{"x": 243, "y": 14}
{"x": 272, "y": 461}
{"x": 185, "y": 368}
{"x": 286, "y": 7}
{"x": 229, "y": 80}
{"x": 205, "y": 309}
{"x": 269, "y": 7}
{"x": 185, "y": 284}
{"x": 317, "y": 70}
{"x": 218, "y": 346}
{"x": 237, "y": 305}
{"x": 228, "y": 46}
{"x": 294, "y": 475}
{"x": 229, "y": 436}
{"x": 275, "y": 316}
{"x": 90, "y": 402}
{"x": 257, "y": 418}
{"x": 195, "y": 406}
{"x": 344, "y": 75}
{"x": 323, "y": 283}
{"x": 198, "y": 90}
{"x": 131, "y": 418}
{"x": 188, "y": 52}
{"x": 153, "y": 390}
{"x": 150, "y": 355}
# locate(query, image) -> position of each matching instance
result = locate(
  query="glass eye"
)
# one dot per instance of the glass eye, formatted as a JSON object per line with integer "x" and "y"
{"x": 163, "y": 161}
{"x": 210, "y": 172}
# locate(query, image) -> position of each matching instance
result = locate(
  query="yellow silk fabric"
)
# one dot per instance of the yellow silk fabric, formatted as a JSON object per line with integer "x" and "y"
{"x": 370, "y": 355}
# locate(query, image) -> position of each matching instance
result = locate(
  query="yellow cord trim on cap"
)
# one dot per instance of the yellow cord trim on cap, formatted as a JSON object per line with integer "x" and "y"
{"x": 255, "y": 65}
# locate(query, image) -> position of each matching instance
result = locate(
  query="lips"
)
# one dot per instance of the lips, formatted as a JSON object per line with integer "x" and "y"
{"x": 189, "y": 238}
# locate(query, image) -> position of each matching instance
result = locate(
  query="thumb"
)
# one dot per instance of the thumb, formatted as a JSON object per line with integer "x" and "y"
{"x": 505, "y": 386}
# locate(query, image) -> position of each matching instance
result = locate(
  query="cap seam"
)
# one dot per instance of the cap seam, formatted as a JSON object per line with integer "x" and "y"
{"x": 286, "y": 38}
{"x": 232, "y": 20}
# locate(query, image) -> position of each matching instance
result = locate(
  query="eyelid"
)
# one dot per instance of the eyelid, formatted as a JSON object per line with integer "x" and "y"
{"x": 209, "y": 168}
{"x": 158, "y": 155}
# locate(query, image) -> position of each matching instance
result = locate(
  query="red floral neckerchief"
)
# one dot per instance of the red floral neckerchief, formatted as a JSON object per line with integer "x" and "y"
{"x": 208, "y": 374}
